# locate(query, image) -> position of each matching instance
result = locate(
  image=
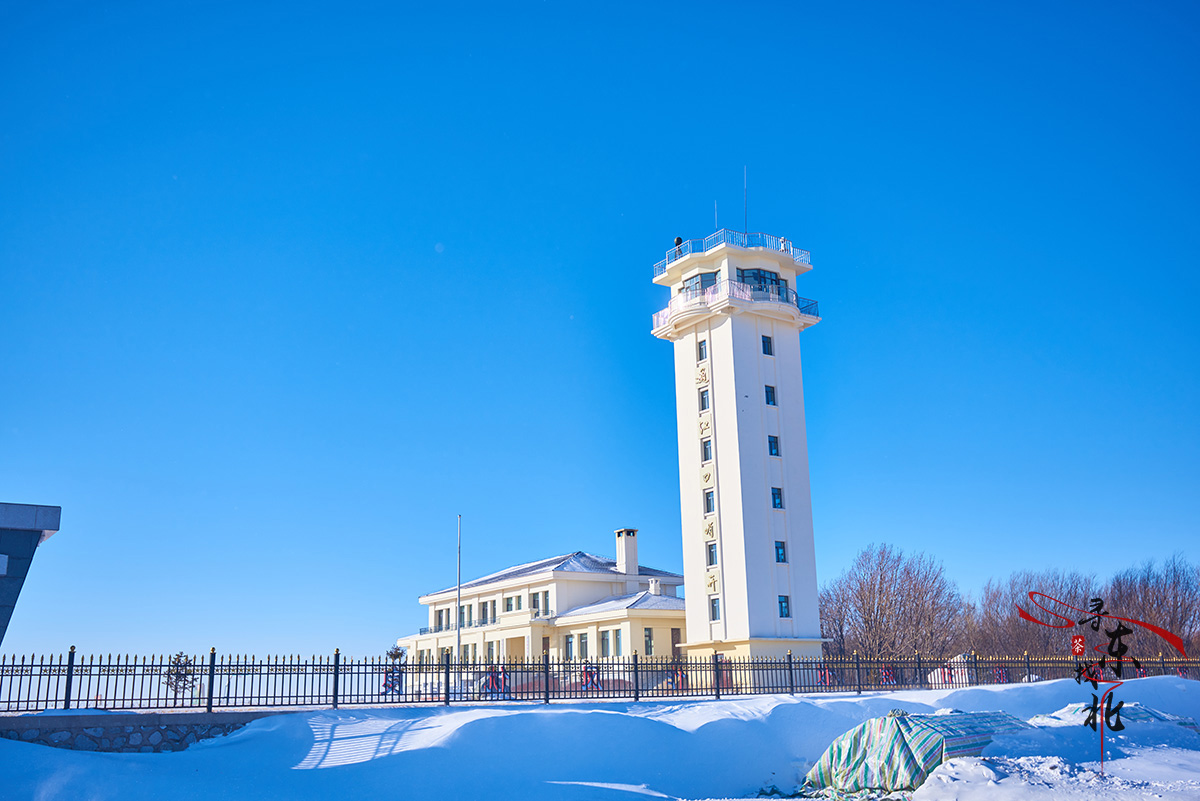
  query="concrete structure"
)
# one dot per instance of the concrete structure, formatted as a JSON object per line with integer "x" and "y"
{"x": 607, "y": 608}
{"x": 748, "y": 558}
{"x": 23, "y": 527}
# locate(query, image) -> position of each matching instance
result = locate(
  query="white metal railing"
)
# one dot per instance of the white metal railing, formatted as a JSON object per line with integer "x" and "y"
{"x": 703, "y": 298}
{"x": 737, "y": 239}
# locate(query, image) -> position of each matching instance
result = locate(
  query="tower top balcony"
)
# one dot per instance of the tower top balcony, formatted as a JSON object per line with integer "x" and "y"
{"x": 670, "y": 269}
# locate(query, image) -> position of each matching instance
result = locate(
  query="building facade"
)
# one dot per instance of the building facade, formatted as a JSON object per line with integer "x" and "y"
{"x": 23, "y": 527}
{"x": 748, "y": 557}
{"x": 575, "y": 606}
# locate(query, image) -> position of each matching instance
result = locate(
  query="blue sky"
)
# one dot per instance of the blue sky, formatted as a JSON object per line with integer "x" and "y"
{"x": 286, "y": 289}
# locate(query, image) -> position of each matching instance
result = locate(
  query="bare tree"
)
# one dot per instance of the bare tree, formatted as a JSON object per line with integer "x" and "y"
{"x": 996, "y": 627}
{"x": 1168, "y": 597}
{"x": 887, "y": 604}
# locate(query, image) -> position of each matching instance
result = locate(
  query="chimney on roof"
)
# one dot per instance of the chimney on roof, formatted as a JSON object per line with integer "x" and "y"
{"x": 627, "y": 560}
{"x": 655, "y": 586}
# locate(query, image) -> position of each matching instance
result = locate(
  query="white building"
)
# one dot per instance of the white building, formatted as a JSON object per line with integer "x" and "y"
{"x": 748, "y": 561}
{"x": 575, "y": 606}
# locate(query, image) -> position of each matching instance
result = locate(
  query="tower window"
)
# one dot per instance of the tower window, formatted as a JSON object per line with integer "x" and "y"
{"x": 710, "y": 503}
{"x": 704, "y": 400}
{"x": 702, "y": 350}
{"x": 710, "y": 553}
{"x": 780, "y": 551}
{"x": 705, "y": 450}
{"x": 785, "y": 606}
{"x": 768, "y": 346}
{"x": 714, "y": 608}
{"x": 772, "y": 445}
{"x": 776, "y": 498}
{"x": 770, "y": 395}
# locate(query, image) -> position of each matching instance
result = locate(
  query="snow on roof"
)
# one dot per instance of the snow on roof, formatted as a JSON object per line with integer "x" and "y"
{"x": 638, "y": 600}
{"x": 578, "y": 562}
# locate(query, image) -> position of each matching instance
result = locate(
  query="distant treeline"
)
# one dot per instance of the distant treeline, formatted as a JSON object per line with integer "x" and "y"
{"x": 891, "y": 604}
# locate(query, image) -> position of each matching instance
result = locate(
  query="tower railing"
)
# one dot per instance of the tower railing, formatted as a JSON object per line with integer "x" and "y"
{"x": 702, "y": 298}
{"x": 736, "y": 239}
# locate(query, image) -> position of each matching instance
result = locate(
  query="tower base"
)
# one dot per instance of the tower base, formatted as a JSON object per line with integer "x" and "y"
{"x": 767, "y": 647}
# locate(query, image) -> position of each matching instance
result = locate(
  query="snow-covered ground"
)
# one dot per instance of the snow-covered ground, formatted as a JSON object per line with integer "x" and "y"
{"x": 704, "y": 749}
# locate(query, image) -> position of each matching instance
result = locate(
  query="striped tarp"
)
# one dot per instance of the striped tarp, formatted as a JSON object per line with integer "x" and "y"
{"x": 899, "y": 752}
{"x": 1132, "y": 712}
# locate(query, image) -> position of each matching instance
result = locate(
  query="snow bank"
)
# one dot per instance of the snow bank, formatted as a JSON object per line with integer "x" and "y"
{"x": 702, "y": 749}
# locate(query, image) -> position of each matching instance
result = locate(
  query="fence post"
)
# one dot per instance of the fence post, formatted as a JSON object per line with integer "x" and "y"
{"x": 920, "y": 676}
{"x": 1028, "y": 670}
{"x": 717, "y": 674}
{"x": 791, "y": 675}
{"x": 337, "y": 659}
{"x": 446, "y": 679}
{"x": 1162, "y": 669}
{"x": 858, "y": 671}
{"x": 975, "y": 665}
{"x": 637, "y": 687}
{"x": 71, "y": 675}
{"x": 212, "y": 672}
{"x": 545, "y": 677}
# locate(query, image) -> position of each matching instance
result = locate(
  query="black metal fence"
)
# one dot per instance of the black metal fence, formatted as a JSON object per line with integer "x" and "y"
{"x": 229, "y": 682}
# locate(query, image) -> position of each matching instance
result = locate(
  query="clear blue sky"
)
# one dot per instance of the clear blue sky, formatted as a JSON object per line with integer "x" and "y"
{"x": 286, "y": 289}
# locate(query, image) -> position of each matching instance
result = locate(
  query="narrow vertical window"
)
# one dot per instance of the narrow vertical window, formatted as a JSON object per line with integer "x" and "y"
{"x": 705, "y": 450}
{"x": 519, "y": 599}
{"x": 776, "y": 498}
{"x": 780, "y": 551}
{"x": 710, "y": 503}
{"x": 704, "y": 400}
{"x": 583, "y": 651}
{"x": 648, "y": 635}
{"x": 702, "y": 350}
{"x": 617, "y": 642}
{"x": 785, "y": 606}
{"x": 710, "y": 554}
{"x": 770, "y": 395}
{"x": 772, "y": 445}
{"x": 714, "y": 608}
{"x": 546, "y": 601}
{"x": 768, "y": 346}
{"x": 605, "y": 644}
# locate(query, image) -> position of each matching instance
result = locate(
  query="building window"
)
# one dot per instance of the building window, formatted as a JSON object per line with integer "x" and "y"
{"x": 697, "y": 283}
{"x": 648, "y": 633}
{"x": 702, "y": 350}
{"x": 491, "y": 651}
{"x": 710, "y": 503}
{"x": 546, "y": 602}
{"x": 785, "y": 606}
{"x": 519, "y": 599}
{"x": 761, "y": 279}
{"x": 605, "y": 644}
{"x": 704, "y": 400}
{"x": 3, "y": 564}
{"x": 776, "y": 498}
{"x": 780, "y": 551}
{"x": 705, "y": 450}
{"x": 772, "y": 445}
{"x": 508, "y": 604}
{"x": 714, "y": 609}
{"x": 616, "y": 642}
{"x": 570, "y": 647}
{"x": 533, "y": 603}
{"x": 583, "y": 652}
{"x": 768, "y": 346}
{"x": 710, "y": 553}
{"x": 770, "y": 395}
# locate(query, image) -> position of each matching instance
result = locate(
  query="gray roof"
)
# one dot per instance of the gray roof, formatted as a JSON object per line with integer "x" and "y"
{"x": 578, "y": 562}
{"x": 638, "y": 600}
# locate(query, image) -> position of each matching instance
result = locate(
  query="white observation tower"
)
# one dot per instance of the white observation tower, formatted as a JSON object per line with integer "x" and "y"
{"x": 749, "y": 567}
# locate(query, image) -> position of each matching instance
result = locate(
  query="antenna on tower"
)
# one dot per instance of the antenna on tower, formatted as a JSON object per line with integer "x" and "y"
{"x": 745, "y": 203}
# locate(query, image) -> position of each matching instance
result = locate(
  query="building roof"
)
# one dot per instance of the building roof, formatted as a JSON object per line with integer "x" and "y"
{"x": 578, "y": 562}
{"x": 638, "y": 600}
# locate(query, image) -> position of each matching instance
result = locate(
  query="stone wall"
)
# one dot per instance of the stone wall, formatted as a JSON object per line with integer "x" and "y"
{"x": 124, "y": 732}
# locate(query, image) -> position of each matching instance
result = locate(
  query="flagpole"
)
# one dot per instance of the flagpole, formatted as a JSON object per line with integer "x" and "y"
{"x": 458, "y": 621}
